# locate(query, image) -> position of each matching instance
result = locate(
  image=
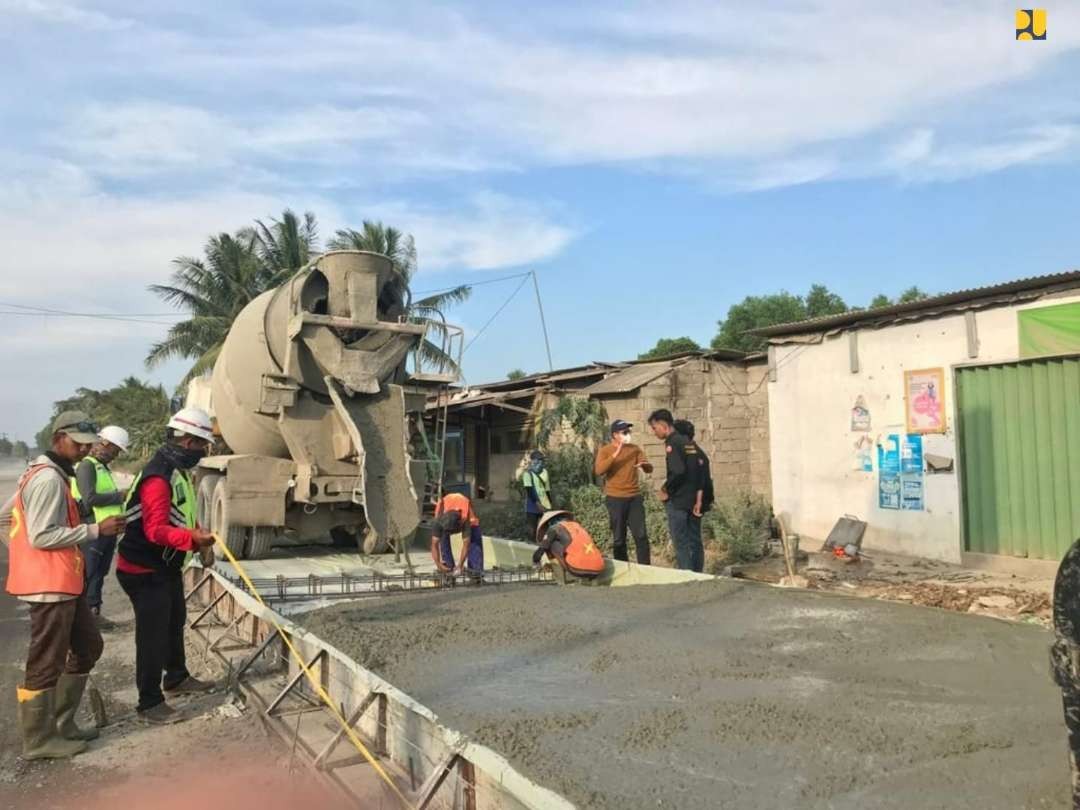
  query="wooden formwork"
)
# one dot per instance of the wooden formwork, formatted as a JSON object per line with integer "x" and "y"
{"x": 430, "y": 765}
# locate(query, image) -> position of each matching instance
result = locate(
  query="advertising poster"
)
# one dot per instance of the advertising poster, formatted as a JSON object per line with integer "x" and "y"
{"x": 911, "y": 473}
{"x": 924, "y": 400}
{"x": 889, "y": 472}
{"x": 860, "y": 416}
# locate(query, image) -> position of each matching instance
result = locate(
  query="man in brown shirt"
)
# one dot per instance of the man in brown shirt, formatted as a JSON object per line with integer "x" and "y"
{"x": 619, "y": 462}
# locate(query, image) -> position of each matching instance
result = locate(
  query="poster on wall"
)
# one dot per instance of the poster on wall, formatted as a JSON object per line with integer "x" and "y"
{"x": 860, "y": 416}
{"x": 924, "y": 400}
{"x": 911, "y": 473}
{"x": 889, "y": 472}
{"x": 900, "y": 472}
{"x": 864, "y": 454}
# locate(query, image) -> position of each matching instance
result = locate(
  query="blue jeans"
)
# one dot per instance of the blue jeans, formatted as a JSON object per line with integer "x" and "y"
{"x": 686, "y": 535}
{"x": 475, "y": 559}
{"x": 99, "y": 554}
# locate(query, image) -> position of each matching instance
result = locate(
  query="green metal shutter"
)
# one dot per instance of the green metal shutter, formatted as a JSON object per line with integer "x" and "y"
{"x": 1019, "y": 429}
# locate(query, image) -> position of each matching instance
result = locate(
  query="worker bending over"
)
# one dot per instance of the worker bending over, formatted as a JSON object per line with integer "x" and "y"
{"x": 566, "y": 541}
{"x": 454, "y": 513}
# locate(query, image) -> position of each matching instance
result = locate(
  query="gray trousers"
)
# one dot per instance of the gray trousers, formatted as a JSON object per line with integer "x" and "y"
{"x": 686, "y": 535}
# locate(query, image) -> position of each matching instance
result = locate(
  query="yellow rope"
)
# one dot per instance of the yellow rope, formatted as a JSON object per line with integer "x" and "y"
{"x": 318, "y": 687}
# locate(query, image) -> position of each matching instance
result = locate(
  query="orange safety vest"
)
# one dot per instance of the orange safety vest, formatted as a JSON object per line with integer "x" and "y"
{"x": 582, "y": 555}
{"x": 37, "y": 570}
{"x": 456, "y": 502}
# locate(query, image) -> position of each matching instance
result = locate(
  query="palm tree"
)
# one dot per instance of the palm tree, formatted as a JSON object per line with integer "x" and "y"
{"x": 285, "y": 245}
{"x": 401, "y": 249}
{"x": 213, "y": 290}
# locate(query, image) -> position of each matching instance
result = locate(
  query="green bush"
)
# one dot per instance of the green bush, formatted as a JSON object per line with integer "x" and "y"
{"x": 737, "y": 528}
{"x": 502, "y": 519}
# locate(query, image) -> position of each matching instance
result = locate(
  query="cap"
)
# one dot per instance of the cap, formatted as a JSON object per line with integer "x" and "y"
{"x": 77, "y": 425}
{"x": 619, "y": 425}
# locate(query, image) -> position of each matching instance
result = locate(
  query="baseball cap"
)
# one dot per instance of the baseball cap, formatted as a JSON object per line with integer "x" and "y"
{"x": 619, "y": 425}
{"x": 77, "y": 425}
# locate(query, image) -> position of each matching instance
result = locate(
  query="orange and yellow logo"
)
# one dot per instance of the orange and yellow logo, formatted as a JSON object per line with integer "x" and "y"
{"x": 1031, "y": 23}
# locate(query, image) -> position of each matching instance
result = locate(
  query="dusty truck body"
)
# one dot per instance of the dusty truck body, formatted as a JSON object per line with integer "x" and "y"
{"x": 311, "y": 395}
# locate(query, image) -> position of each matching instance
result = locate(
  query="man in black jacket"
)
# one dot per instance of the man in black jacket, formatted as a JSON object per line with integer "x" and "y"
{"x": 1065, "y": 654}
{"x": 708, "y": 493}
{"x": 681, "y": 491}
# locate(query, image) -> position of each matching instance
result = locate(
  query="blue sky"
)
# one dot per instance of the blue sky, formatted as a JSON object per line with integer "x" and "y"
{"x": 653, "y": 162}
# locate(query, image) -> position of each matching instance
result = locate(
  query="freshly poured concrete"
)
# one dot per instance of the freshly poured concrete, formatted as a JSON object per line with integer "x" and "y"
{"x": 724, "y": 694}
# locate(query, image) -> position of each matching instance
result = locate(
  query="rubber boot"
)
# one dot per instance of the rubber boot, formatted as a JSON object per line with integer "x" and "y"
{"x": 69, "y": 694}
{"x": 37, "y": 719}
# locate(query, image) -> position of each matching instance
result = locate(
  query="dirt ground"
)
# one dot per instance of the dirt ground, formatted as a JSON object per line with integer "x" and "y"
{"x": 133, "y": 765}
{"x": 728, "y": 694}
{"x": 918, "y": 581}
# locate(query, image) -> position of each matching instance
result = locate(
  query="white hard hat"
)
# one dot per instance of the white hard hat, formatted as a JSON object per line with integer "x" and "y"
{"x": 194, "y": 422}
{"x": 115, "y": 435}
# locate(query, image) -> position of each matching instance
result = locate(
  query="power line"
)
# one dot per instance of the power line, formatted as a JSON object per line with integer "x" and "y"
{"x": 473, "y": 284}
{"x": 47, "y": 312}
{"x": 505, "y": 303}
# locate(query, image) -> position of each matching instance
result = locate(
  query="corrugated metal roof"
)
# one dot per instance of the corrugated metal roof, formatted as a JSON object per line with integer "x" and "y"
{"x": 629, "y": 379}
{"x": 927, "y": 305}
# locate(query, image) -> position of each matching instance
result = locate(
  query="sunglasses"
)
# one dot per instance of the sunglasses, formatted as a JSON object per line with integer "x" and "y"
{"x": 80, "y": 427}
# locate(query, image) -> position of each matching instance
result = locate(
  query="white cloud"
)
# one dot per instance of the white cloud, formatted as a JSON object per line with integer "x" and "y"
{"x": 63, "y": 14}
{"x": 488, "y": 231}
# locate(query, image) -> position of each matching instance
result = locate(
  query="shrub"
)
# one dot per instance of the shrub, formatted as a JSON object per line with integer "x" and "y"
{"x": 737, "y": 528}
{"x": 502, "y": 520}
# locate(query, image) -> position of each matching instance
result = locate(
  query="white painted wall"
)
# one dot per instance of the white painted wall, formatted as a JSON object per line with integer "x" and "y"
{"x": 812, "y": 446}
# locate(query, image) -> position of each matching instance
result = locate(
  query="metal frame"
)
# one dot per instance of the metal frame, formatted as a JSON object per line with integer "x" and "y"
{"x": 222, "y": 608}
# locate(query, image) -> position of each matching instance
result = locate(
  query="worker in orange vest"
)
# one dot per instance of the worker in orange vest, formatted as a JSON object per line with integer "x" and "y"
{"x": 46, "y": 569}
{"x": 454, "y": 513}
{"x": 568, "y": 543}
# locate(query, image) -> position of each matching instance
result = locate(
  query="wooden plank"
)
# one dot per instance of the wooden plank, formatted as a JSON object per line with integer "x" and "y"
{"x": 434, "y": 782}
{"x": 342, "y": 732}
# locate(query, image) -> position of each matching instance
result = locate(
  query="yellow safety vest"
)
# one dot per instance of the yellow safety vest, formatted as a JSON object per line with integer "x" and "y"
{"x": 104, "y": 484}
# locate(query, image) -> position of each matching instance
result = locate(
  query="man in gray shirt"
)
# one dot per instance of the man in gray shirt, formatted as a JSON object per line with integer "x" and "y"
{"x": 46, "y": 569}
{"x": 99, "y": 497}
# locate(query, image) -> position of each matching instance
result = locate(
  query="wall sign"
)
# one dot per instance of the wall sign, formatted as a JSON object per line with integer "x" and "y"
{"x": 924, "y": 400}
{"x": 900, "y": 473}
{"x": 860, "y": 416}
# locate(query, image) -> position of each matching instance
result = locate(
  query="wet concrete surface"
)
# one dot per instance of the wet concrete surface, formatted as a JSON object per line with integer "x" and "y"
{"x": 727, "y": 694}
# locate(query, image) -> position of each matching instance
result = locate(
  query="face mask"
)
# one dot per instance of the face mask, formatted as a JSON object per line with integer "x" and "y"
{"x": 627, "y": 436}
{"x": 183, "y": 457}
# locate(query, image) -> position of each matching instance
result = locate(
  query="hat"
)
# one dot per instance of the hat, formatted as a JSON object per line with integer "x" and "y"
{"x": 619, "y": 425}
{"x": 536, "y": 454}
{"x": 77, "y": 425}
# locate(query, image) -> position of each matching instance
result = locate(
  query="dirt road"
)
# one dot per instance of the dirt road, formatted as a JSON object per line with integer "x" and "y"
{"x": 214, "y": 753}
{"x": 728, "y": 694}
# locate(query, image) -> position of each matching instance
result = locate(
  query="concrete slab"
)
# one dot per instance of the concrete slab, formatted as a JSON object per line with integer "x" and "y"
{"x": 727, "y": 694}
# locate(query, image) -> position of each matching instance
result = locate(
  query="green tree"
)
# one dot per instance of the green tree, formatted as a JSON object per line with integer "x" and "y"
{"x": 213, "y": 290}
{"x": 666, "y": 347}
{"x": 19, "y": 449}
{"x": 754, "y": 312}
{"x": 820, "y": 302}
{"x": 759, "y": 311}
{"x": 140, "y": 408}
{"x": 516, "y": 374}
{"x": 285, "y": 245}
{"x": 880, "y": 300}
{"x": 911, "y": 295}
{"x": 430, "y": 310}
{"x": 5, "y": 446}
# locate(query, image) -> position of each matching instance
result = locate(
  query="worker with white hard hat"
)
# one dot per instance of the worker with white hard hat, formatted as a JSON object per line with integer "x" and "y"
{"x": 569, "y": 544}
{"x": 99, "y": 497}
{"x": 161, "y": 529}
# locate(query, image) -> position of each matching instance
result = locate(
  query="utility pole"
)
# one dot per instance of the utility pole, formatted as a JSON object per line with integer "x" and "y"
{"x": 543, "y": 323}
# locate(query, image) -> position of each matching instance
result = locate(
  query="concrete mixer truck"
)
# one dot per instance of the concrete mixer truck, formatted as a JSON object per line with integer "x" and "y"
{"x": 312, "y": 397}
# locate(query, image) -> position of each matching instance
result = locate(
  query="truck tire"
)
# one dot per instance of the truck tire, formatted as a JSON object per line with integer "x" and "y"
{"x": 344, "y": 537}
{"x": 260, "y": 540}
{"x": 204, "y": 499}
{"x": 233, "y": 537}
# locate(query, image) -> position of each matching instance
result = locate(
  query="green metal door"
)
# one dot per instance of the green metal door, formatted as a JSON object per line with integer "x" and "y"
{"x": 1019, "y": 432}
